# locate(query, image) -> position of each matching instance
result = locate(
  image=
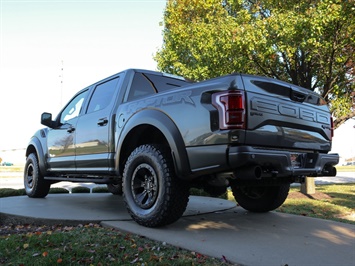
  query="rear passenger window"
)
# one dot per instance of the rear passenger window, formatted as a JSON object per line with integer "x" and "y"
{"x": 102, "y": 95}
{"x": 144, "y": 84}
{"x": 141, "y": 86}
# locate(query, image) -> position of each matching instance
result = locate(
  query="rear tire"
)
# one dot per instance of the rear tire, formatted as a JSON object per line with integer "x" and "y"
{"x": 260, "y": 198}
{"x": 35, "y": 185}
{"x": 153, "y": 194}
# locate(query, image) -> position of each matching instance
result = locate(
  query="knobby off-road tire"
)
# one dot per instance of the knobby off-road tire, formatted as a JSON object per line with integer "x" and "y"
{"x": 153, "y": 194}
{"x": 35, "y": 185}
{"x": 260, "y": 198}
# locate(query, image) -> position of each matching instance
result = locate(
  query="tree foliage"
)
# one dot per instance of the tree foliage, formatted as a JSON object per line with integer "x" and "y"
{"x": 308, "y": 43}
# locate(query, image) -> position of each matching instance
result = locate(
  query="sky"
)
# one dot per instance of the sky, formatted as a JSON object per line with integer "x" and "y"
{"x": 89, "y": 40}
{"x": 50, "y": 49}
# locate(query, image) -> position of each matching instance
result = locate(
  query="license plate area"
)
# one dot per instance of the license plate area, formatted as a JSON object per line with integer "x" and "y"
{"x": 295, "y": 160}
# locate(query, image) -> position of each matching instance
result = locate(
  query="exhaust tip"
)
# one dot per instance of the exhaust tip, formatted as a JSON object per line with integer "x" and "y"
{"x": 329, "y": 171}
{"x": 253, "y": 172}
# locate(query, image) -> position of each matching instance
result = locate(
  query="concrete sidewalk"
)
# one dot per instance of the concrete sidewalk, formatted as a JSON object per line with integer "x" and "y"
{"x": 210, "y": 226}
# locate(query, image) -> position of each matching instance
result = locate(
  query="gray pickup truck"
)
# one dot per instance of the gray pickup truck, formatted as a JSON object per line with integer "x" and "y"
{"x": 152, "y": 136}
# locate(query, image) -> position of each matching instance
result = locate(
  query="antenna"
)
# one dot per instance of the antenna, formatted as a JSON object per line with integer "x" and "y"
{"x": 61, "y": 83}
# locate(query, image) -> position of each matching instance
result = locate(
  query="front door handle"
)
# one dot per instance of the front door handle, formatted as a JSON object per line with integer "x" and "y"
{"x": 70, "y": 129}
{"x": 102, "y": 122}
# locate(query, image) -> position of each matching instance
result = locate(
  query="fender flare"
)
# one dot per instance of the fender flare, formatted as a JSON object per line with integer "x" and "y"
{"x": 170, "y": 131}
{"x": 37, "y": 146}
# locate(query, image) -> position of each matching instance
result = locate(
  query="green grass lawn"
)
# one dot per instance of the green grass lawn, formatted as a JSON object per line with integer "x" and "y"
{"x": 91, "y": 245}
{"x": 346, "y": 168}
{"x": 14, "y": 168}
{"x": 332, "y": 202}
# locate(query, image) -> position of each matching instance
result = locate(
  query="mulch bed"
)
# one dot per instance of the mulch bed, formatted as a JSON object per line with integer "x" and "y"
{"x": 316, "y": 196}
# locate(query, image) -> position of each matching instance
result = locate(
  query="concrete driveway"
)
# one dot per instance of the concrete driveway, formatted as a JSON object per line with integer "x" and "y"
{"x": 210, "y": 226}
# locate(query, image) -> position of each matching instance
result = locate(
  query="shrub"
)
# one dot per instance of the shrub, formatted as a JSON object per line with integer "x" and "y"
{"x": 80, "y": 190}
{"x": 100, "y": 190}
{"x": 21, "y": 192}
{"x": 201, "y": 192}
{"x": 58, "y": 190}
{"x": 9, "y": 192}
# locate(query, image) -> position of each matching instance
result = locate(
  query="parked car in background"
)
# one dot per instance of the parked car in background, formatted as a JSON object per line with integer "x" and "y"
{"x": 7, "y": 164}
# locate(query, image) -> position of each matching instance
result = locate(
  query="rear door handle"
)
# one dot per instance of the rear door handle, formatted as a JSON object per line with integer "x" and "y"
{"x": 102, "y": 122}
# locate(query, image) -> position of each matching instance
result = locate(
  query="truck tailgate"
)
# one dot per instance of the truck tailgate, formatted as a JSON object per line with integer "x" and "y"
{"x": 281, "y": 115}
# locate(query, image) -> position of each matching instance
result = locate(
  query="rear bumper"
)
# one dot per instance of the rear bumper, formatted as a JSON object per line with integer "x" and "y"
{"x": 278, "y": 163}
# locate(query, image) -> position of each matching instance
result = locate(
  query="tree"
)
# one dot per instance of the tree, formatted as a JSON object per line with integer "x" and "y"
{"x": 308, "y": 43}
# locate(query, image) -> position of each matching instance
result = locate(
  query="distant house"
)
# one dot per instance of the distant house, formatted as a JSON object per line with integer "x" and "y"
{"x": 350, "y": 161}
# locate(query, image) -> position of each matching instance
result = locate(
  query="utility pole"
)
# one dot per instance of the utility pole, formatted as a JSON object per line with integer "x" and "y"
{"x": 61, "y": 83}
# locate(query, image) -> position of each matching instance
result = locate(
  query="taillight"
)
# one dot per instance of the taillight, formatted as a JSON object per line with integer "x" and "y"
{"x": 231, "y": 109}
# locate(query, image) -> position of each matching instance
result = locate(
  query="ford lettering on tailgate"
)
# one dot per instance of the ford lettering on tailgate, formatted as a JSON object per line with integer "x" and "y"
{"x": 260, "y": 106}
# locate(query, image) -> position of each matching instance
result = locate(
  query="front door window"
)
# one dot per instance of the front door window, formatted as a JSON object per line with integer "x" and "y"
{"x": 73, "y": 109}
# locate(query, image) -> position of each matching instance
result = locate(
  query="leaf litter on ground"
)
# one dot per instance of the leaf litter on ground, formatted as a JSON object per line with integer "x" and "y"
{"x": 89, "y": 244}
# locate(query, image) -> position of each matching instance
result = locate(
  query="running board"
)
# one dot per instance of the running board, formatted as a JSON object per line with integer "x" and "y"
{"x": 96, "y": 180}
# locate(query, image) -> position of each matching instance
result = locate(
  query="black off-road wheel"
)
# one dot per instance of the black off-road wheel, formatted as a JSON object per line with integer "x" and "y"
{"x": 35, "y": 185}
{"x": 153, "y": 194}
{"x": 260, "y": 198}
{"x": 115, "y": 189}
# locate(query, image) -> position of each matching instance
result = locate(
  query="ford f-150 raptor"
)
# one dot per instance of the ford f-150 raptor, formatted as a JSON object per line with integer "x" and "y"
{"x": 152, "y": 136}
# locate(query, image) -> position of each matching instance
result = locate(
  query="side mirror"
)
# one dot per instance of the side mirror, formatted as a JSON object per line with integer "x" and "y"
{"x": 46, "y": 120}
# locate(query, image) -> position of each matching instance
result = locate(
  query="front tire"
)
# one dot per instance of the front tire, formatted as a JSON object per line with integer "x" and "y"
{"x": 35, "y": 185}
{"x": 260, "y": 198}
{"x": 153, "y": 194}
